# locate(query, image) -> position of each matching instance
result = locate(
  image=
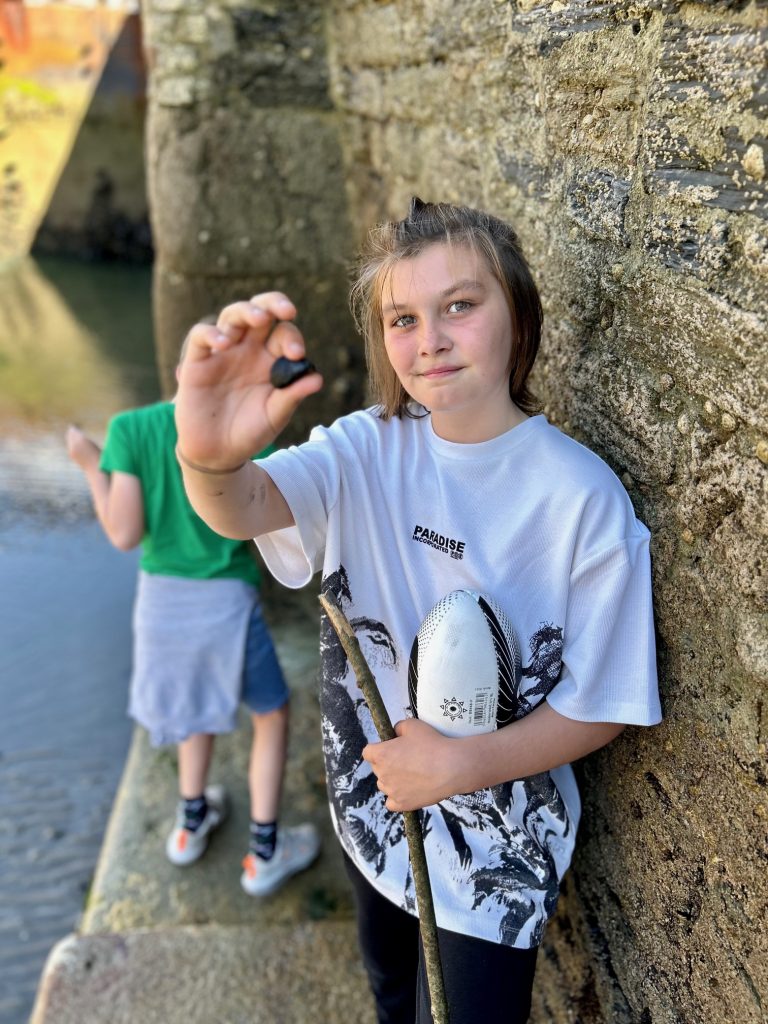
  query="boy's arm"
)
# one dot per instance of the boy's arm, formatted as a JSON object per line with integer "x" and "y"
{"x": 117, "y": 497}
{"x": 421, "y": 766}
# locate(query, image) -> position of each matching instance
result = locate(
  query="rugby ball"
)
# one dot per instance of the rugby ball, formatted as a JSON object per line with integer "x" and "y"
{"x": 464, "y": 669}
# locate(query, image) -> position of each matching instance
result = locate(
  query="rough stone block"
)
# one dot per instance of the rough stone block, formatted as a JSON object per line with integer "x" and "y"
{"x": 239, "y": 974}
{"x": 710, "y": 347}
{"x": 177, "y": 91}
{"x": 374, "y": 36}
{"x": 282, "y": 56}
{"x": 171, "y": 6}
{"x": 703, "y": 156}
{"x": 598, "y": 201}
{"x": 192, "y": 28}
{"x": 177, "y": 60}
{"x": 288, "y": 229}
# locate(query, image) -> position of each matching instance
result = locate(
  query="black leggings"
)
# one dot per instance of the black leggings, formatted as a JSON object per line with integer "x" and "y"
{"x": 483, "y": 981}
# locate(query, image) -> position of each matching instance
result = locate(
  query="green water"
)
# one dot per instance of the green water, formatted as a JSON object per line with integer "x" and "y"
{"x": 75, "y": 345}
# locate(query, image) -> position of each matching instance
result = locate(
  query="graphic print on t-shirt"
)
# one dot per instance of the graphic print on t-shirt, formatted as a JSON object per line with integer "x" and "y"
{"x": 500, "y": 848}
{"x": 546, "y": 647}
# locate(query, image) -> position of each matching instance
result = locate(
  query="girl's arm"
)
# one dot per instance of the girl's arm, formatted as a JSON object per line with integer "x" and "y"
{"x": 227, "y": 409}
{"x": 240, "y": 505}
{"x": 421, "y": 766}
{"x": 117, "y": 497}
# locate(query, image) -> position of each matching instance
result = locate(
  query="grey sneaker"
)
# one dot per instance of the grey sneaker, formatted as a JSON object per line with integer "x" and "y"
{"x": 295, "y": 850}
{"x": 184, "y": 847}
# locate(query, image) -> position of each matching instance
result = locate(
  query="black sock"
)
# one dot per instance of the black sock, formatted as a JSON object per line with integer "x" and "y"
{"x": 263, "y": 839}
{"x": 195, "y": 811}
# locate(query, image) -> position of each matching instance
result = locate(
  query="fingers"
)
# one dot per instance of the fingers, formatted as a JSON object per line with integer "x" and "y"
{"x": 202, "y": 340}
{"x": 276, "y": 303}
{"x": 81, "y": 449}
{"x": 286, "y": 340}
{"x": 392, "y": 803}
{"x": 70, "y": 439}
{"x": 258, "y": 316}
{"x": 235, "y": 319}
{"x": 259, "y": 312}
{"x": 371, "y": 754}
{"x": 75, "y": 438}
{"x": 234, "y": 356}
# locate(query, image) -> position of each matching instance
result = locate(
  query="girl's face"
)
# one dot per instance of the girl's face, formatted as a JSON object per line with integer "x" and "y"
{"x": 448, "y": 336}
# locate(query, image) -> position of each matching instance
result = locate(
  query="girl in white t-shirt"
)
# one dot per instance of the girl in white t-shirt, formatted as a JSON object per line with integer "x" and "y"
{"x": 448, "y": 483}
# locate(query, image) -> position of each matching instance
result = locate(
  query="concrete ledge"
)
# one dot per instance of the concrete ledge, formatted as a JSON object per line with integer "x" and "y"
{"x": 135, "y": 886}
{"x": 208, "y": 975}
{"x": 180, "y": 945}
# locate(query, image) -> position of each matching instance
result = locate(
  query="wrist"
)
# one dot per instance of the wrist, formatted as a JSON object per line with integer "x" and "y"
{"x": 473, "y": 762}
{"x": 206, "y": 470}
{"x": 454, "y": 765}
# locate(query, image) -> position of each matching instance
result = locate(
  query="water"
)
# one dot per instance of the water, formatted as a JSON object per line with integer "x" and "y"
{"x": 75, "y": 345}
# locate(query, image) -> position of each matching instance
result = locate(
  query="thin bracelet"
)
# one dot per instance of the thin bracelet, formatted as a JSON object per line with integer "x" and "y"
{"x": 205, "y": 469}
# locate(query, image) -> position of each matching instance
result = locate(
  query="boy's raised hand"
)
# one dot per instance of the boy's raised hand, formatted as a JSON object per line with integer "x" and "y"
{"x": 226, "y": 407}
{"x": 81, "y": 449}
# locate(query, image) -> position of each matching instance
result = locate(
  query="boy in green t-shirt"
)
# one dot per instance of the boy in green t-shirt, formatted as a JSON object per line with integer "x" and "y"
{"x": 200, "y": 641}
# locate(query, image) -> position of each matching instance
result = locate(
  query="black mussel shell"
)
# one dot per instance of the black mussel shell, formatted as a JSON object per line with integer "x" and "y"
{"x": 286, "y": 371}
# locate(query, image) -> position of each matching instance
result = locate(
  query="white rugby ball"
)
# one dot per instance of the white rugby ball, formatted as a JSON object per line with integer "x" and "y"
{"x": 464, "y": 669}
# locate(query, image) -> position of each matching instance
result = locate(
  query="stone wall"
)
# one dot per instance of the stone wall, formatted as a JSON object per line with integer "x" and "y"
{"x": 627, "y": 142}
{"x": 246, "y": 177}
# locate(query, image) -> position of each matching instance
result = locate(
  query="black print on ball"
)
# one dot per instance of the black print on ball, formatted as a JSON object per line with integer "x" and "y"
{"x": 465, "y": 666}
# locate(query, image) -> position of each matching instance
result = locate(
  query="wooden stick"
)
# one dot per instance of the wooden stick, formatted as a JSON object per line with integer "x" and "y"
{"x": 413, "y": 835}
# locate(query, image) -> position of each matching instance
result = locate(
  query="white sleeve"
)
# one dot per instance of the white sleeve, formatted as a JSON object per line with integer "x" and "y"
{"x": 609, "y": 652}
{"x": 308, "y": 478}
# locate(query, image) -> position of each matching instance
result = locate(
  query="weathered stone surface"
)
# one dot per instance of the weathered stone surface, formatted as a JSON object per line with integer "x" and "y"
{"x": 626, "y": 141}
{"x": 246, "y": 179}
{"x": 235, "y": 231}
{"x": 238, "y": 974}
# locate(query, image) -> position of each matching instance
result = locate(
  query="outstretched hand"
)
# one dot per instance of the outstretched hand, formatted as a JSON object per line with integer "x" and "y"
{"x": 417, "y": 768}
{"x": 81, "y": 449}
{"x": 226, "y": 407}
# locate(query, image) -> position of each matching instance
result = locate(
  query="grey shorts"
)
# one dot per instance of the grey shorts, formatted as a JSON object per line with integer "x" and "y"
{"x": 201, "y": 647}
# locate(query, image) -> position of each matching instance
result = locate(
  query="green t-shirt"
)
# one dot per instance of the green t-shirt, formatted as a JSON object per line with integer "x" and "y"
{"x": 176, "y": 541}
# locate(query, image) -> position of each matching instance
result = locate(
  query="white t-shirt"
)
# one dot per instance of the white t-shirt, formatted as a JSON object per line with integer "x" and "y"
{"x": 395, "y": 517}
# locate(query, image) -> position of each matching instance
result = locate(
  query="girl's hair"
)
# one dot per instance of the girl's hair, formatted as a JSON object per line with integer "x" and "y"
{"x": 426, "y": 224}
